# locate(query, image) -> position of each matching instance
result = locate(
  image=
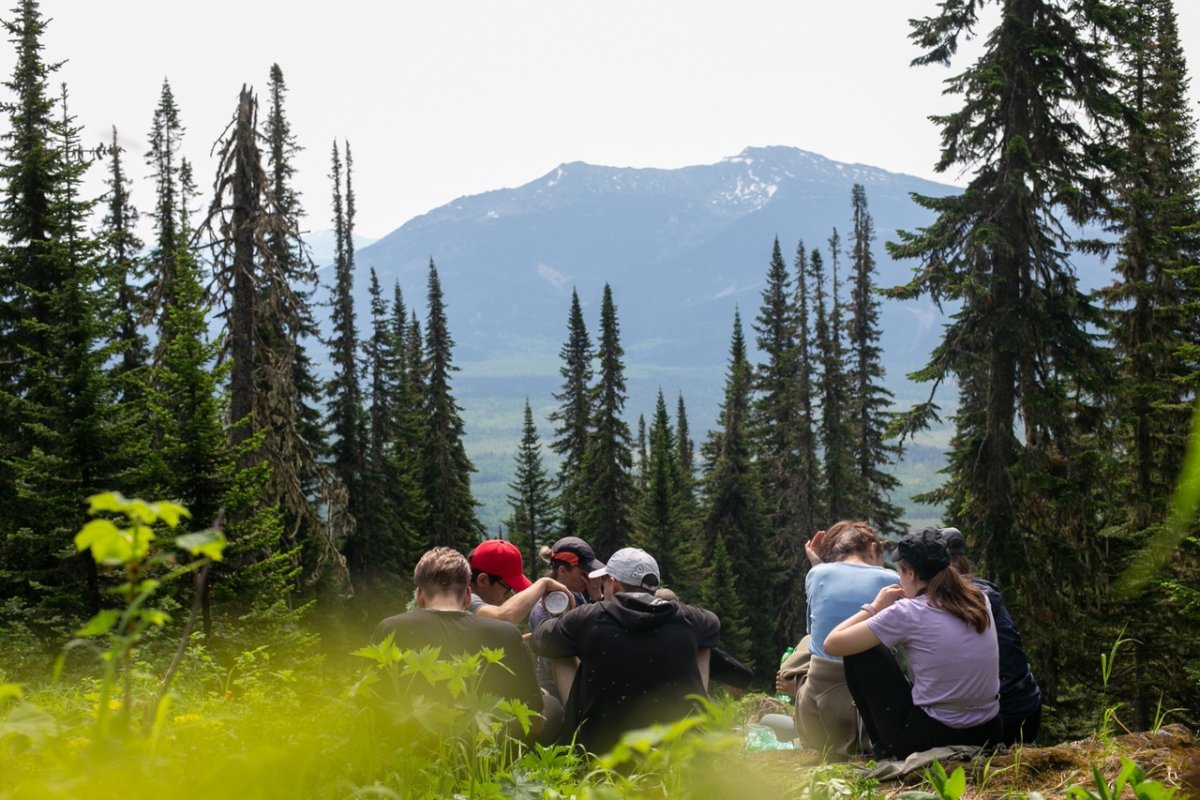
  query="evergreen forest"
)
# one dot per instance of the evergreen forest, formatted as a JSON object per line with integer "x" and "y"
{"x": 306, "y": 467}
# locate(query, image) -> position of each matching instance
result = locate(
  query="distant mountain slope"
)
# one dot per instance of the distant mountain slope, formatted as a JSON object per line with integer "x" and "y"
{"x": 682, "y": 249}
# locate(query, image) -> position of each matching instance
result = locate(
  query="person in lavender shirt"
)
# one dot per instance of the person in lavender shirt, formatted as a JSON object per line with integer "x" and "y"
{"x": 945, "y": 625}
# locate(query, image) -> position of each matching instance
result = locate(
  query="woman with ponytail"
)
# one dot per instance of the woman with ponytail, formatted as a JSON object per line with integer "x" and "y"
{"x": 944, "y": 623}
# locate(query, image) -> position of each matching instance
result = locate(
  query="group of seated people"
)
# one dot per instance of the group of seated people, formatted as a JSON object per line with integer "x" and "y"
{"x": 619, "y": 658}
{"x": 626, "y": 653}
{"x": 967, "y": 681}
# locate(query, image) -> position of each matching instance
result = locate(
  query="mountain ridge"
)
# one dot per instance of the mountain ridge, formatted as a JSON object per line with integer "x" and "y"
{"x": 682, "y": 249}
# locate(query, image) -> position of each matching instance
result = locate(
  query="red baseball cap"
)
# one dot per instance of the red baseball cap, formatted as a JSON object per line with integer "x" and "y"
{"x": 502, "y": 558}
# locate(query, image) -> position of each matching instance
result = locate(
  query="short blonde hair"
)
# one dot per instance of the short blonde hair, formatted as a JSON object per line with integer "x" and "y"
{"x": 442, "y": 570}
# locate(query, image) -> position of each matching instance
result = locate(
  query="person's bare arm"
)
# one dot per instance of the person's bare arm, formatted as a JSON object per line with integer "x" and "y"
{"x": 854, "y": 635}
{"x": 516, "y": 608}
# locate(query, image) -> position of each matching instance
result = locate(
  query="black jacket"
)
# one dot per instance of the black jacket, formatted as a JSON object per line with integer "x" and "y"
{"x": 637, "y": 663}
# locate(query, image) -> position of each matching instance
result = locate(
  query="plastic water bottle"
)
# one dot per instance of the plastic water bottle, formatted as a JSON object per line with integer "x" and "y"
{"x": 784, "y": 697}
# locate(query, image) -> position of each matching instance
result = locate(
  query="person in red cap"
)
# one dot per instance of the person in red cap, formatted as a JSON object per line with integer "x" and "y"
{"x": 499, "y": 588}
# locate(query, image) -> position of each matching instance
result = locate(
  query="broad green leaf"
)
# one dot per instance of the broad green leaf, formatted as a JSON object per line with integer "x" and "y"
{"x": 100, "y": 624}
{"x": 520, "y": 712}
{"x": 156, "y": 616}
{"x": 108, "y": 543}
{"x": 107, "y": 501}
{"x": 9, "y": 691}
{"x": 956, "y": 785}
{"x": 210, "y": 543}
{"x": 143, "y": 535}
{"x": 139, "y": 510}
{"x": 171, "y": 513}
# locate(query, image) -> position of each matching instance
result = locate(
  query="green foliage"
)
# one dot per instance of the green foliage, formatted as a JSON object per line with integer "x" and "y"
{"x": 1131, "y": 776}
{"x": 145, "y": 568}
{"x": 945, "y": 787}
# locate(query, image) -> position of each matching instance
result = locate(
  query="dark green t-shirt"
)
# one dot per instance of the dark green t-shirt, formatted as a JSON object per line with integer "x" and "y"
{"x": 460, "y": 632}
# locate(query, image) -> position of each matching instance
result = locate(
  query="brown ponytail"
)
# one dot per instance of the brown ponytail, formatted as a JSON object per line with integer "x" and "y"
{"x": 954, "y": 594}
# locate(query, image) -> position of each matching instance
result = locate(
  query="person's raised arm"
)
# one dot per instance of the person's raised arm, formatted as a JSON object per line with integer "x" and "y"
{"x": 854, "y": 635}
{"x": 814, "y": 548}
{"x": 516, "y": 608}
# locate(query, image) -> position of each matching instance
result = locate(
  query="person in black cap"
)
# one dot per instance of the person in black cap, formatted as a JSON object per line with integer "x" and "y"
{"x": 945, "y": 625}
{"x": 571, "y": 560}
{"x": 639, "y": 655}
{"x": 1020, "y": 697}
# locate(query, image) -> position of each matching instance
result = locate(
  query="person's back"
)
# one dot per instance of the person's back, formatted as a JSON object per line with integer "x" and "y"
{"x": 442, "y": 620}
{"x": 458, "y": 633}
{"x": 637, "y": 658}
{"x": 847, "y": 572}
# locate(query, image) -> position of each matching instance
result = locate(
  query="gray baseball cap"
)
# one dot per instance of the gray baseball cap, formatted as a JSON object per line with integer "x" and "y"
{"x": 633, "y": 567}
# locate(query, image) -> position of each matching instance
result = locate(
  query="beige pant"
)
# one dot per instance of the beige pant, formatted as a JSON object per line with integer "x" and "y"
{"x": 826, "y": 719}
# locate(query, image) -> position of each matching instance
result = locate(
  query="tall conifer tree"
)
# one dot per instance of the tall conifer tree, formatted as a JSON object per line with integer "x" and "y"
{"x": 734, "y": 514}
{"x": 56, "y": 448}
{"x": 1022, "y": 346}
{"x": 868, "y": 416}
{"x": 166, "y": 164}
{"x": 452, "y": 518}
{"x": 572, "y": 418}
{"x": 1156, "y": 214}
{"x": 531, "y": 524}
{"x": 344, "y": 415}
{"x": 608, "y": 481}
{"x": 776, "y": 419}
{"x": 661, "y": 524}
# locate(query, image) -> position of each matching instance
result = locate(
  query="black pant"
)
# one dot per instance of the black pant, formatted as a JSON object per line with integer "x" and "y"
{"x": 896, "y": 726}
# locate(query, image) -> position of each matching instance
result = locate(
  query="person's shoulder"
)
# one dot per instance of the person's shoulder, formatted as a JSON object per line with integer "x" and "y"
{"x": 396, "y": 624}
{"x": 696, "y": 613}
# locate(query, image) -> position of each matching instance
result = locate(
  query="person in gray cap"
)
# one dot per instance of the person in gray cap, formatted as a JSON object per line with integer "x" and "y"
{"x": 639, "y": 655}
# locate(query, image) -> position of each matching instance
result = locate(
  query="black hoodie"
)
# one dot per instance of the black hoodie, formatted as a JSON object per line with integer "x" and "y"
{"x": 637, "y": 666}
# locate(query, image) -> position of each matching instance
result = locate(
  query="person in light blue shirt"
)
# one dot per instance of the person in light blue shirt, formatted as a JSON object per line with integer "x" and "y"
{"x": 847, "y": 571}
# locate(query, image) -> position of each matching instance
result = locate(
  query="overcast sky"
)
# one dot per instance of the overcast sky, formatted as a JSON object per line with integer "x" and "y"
{"x": 444, "y": 98}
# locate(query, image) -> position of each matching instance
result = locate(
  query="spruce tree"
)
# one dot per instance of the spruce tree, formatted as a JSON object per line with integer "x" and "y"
{"x": 573, "y": 416}
{"x": 124, "y": 272}
{"x": 776, "y": 419}
{"x": 531, "y": 524}
{"x": 166, "y": 165}
{"x": 287, "y": 391}
{"x": 452, "y": 518}
{"x": 836, "y": 442}
{"x": 57, "y": 446}
{"x": 1021, "y": 348}
{"x": 406, "y": 469}
{"x": 1001, "y": 248}
{"x": 719, "y": 594}
{"x": 734, "y": 508}
{"x": 660, "y": 525}
{"x": 1156, "y": 214}
{"x": 380, "y": 546}
{"x": 607, "y": 517}
{"x": 344, "y": 414}
{"x": 868, "y": 416}
{"x": 683, "y": 439}
{"x": 811, "y": 512}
